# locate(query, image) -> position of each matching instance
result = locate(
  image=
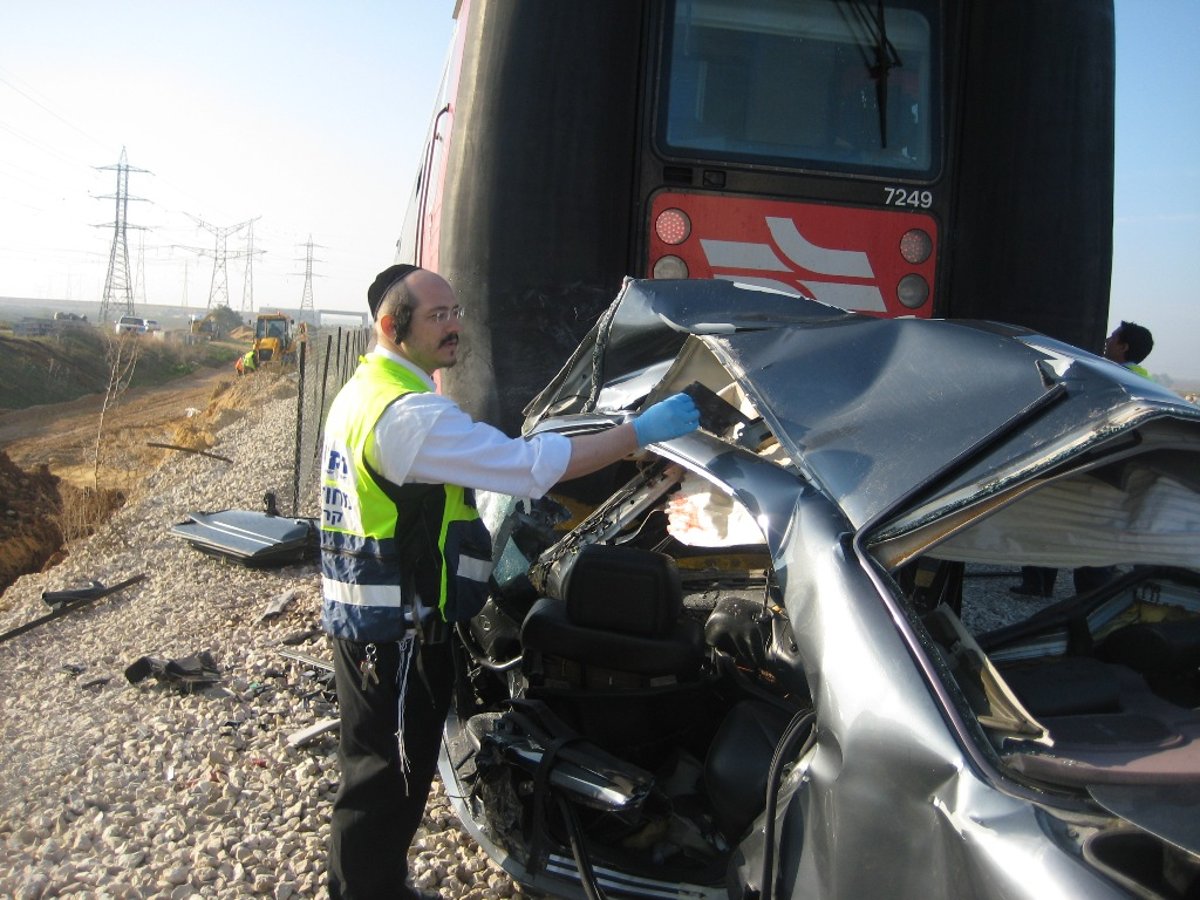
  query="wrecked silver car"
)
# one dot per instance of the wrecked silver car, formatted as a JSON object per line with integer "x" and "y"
{"x": 744, "y": 664}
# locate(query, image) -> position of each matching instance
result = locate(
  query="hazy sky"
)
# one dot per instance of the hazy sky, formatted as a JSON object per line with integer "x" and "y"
{"x": 308, "y": 114}
{"x": 311, "y": 115}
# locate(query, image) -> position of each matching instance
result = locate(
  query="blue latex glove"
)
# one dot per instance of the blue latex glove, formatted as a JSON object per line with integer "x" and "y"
{"x": 667, "y": 419}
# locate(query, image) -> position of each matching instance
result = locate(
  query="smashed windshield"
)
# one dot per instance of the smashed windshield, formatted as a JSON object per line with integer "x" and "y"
{"x": 828, "y": 84}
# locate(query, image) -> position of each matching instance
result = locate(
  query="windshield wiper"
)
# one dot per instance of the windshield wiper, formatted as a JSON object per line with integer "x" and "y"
{"x": 886, "y": 57}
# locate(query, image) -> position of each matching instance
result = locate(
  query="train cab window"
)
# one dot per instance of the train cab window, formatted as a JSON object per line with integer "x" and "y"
{"x": 822, "y": 84}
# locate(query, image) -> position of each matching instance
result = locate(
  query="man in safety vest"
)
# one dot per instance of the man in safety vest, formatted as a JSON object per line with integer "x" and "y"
{"x": 247, "y": 362}
{"x": 404, "y": 555}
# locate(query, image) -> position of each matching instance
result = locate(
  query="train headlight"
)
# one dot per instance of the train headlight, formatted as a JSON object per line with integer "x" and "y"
{"x": 670, "y": 267}
{"x": 915, "y": 246}
{"x": 913, "y": 291}
{"x": 672, "y": 226}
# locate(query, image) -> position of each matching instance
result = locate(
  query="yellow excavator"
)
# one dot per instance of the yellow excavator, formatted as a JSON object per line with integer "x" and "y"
{"x": 275, "y": 341}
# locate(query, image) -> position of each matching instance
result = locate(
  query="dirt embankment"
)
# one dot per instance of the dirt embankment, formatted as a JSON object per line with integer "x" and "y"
{"x": 56, "y": 486}
{"x": 79, "y": 361}
{"x": 29, "y": 532}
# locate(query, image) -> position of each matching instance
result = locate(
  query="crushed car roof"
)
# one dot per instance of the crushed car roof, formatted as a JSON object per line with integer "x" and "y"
{"x": 881, "y": 413}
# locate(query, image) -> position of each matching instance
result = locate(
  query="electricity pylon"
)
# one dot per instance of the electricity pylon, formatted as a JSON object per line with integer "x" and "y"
{"x": 306, "y": 298}
{"x": 248, "y": 281}
{"x": 117, "y": 289}
{"x": 218, "y": 290}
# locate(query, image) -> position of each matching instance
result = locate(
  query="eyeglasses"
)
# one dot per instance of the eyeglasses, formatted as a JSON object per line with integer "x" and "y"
{"x": 442, "y": 316}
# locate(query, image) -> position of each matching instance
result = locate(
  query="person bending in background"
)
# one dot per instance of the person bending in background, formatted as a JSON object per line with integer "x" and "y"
{"x": 1129, "y": 345}
{"x": 404, "y": 556}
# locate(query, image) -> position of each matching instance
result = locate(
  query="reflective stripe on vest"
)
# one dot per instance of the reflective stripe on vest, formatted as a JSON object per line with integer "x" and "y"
{"x": 382, "y": 542}
{"x": 360, "y": 563}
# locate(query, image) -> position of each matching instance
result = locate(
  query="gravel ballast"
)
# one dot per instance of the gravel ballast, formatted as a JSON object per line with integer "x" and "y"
{"x": 115, "y": 789}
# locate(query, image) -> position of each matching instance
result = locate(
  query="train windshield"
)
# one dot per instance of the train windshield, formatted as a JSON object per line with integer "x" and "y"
{"x": 828, "y": 85}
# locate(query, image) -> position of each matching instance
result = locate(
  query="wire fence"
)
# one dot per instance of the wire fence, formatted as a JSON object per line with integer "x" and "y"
{"x": 325, "y": 362}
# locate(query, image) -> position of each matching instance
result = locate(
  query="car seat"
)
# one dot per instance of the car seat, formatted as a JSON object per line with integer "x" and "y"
{"x": 618, "y": 624}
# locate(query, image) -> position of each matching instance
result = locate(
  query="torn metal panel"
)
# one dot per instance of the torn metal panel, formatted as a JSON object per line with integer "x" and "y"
{"x": 65, "y": 601}
{"x": 876, "y": 407}
{"x": 1172, "y": 812}
{"x": 248, "y": 537}
{"x": 307, "y": 735}
{"x": 648, "y": 324}
{"x": 191, "y": 672}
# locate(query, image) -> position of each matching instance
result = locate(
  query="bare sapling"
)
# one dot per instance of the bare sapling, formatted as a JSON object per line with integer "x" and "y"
{"x": 121, "y": 354}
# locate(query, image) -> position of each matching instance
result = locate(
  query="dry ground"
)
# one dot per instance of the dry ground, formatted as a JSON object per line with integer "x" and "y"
{"x": 51, "y": 488}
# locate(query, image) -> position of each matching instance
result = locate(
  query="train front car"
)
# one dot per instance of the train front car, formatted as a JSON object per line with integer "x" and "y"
{"x": 905, "y": 158}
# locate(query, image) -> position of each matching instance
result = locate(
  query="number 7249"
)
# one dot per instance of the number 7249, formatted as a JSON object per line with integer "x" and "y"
{"x": 897, "y": 196}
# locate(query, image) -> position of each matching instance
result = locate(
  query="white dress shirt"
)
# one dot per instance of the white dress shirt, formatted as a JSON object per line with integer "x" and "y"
{"x": 458, "y": 450}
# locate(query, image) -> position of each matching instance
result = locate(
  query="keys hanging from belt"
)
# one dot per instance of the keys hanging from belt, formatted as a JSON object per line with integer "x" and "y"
{"x": 367, "y": 667}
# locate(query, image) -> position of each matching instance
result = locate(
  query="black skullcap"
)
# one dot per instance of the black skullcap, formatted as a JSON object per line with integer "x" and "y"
{"x": 384, "y": 280}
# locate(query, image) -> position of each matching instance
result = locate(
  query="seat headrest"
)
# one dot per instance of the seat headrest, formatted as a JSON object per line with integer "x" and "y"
{"x": 624, "y": 589}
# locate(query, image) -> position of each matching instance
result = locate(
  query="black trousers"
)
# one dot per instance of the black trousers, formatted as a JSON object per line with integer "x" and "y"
{"x": 1039, "y": 580}
{"x": 378, "y": 806}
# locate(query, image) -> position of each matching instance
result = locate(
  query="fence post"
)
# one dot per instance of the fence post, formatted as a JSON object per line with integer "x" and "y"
{"x": 321, "y": 405}
{"x": 299, "y": 432}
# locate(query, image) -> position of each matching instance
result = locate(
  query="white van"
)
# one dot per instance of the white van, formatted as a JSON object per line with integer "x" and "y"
{"x": 135, "y": 324}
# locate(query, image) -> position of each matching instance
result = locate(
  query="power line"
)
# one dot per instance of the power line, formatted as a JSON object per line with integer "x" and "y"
{"x": 45, "y": 148}
{"x": 28, "y": 92}
{"x": 28, "y": 96}
{"x": 139, "y": 281}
